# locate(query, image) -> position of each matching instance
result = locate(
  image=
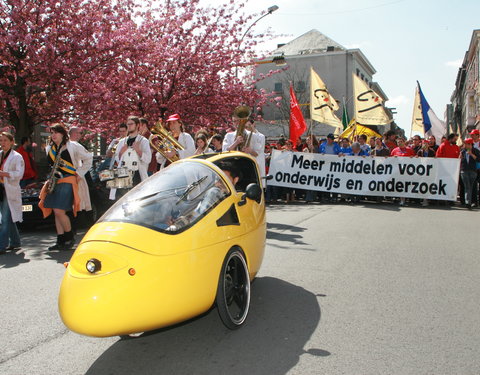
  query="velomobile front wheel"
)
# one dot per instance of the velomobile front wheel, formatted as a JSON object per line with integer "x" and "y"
{"x": 233, "y": 292}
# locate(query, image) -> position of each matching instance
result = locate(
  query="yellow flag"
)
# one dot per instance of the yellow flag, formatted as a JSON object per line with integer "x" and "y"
{"x": 369, "y": 109}
{"x": 322, "y": 104}
{"x": 417, "y": 117}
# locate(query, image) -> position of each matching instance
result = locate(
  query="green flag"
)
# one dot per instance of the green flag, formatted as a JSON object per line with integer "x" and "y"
{"x": 345, "y": 119}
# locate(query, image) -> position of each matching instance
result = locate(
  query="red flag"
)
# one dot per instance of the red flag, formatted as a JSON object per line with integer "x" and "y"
{"x": 297, "y": 122}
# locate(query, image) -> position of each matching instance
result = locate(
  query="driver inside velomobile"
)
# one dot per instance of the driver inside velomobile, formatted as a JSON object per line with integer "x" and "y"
{"x": 172, "y": 199}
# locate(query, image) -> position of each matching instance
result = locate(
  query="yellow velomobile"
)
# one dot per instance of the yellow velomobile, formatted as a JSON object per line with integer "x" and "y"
{"x": 190, "y": 236}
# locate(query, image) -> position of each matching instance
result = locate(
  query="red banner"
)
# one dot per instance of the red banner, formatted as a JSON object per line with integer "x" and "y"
{"x": 297, "y": 122}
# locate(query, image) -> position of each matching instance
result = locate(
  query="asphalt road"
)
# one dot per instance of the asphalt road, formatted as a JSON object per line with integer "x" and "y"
{"x": 367, "y": 289}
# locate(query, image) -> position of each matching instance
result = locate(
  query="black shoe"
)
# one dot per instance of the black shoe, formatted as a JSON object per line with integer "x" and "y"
{"x": 57, "y": 246}
{"x": 69, "y": 245}
{"x": 60, "y": 245}
{"x": 13, "y": 248}
{"x": 69, "y": 240}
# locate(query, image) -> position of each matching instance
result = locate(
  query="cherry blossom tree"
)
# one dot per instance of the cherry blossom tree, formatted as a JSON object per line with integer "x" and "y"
{"x": 185, "y": 59}
{"x": 94, "y": 62}
{"x": 49, "y": 50}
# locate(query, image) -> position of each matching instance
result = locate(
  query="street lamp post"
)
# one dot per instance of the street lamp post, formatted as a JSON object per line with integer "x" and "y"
{"x": 270, "y": 10}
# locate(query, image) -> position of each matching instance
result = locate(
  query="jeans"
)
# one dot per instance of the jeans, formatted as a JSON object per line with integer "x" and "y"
{"x": 468, "y": 178}
{"x": 8, "y": 229}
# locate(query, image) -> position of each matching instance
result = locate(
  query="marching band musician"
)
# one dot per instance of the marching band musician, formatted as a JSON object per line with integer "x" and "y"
{"x": 133, "y": 153}
{"x": 122, "y": 133}
{"x": 144, "y": 131}
{"x": 177, "y": 130}
{"x": 201, "y": 142}
{"x": 71, "y": 189}
{"x": 231, "y": 142}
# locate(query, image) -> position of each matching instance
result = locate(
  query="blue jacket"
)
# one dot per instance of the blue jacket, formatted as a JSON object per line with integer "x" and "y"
{"x": 336, "y": 148}
{"x": 361, "y": 153}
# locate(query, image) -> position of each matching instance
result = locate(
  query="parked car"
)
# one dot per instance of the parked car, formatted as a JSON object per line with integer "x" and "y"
{"x": 33, "y": 216}
{"x": 178, "y": 243}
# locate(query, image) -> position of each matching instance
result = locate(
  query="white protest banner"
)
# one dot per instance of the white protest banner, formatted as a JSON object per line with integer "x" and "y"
{"x": 428, "y": 178}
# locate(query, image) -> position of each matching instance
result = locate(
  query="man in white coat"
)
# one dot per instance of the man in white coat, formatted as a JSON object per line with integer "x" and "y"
{"x": 256, "y": 147}
{"x": 11, "y": 172}
{"x": 133, "y": 153}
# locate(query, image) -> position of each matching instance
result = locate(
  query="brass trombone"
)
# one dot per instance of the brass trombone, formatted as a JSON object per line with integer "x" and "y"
{"x": 242, "y": 112}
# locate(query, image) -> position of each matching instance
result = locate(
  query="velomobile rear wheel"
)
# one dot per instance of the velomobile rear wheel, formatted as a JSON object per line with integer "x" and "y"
{"x": 233, "y": 292}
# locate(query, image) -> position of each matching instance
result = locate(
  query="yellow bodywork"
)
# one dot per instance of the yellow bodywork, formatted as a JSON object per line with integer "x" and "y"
{"x": 175, "y": 275}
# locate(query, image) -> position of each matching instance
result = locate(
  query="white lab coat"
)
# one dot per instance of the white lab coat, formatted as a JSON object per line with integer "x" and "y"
{"x": 15, "y": 166}
{"x": 188, "y": 144}
{"x": 144, "y": 159}
{"x": 82, "y": 161}
{"x": 257, "y": 143}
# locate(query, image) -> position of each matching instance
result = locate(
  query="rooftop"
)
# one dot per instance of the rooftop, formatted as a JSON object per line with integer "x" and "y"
{"x": 311, "y": 42}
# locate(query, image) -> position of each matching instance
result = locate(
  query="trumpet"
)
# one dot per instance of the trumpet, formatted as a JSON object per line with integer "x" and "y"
{"x": 162, "y": 141}
{"x": 242, "y": 112}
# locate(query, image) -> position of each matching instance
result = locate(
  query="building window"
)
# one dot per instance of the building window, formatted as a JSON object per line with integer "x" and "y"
{"x": 363, "y": 77}
{"x": 358, "y": 72}
{"x": 300, "y": 86}
{"x": 278, "y": 87}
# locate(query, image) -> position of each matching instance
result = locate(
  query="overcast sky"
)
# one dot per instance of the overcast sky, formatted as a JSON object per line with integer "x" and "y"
{"x": 405, "y": 40}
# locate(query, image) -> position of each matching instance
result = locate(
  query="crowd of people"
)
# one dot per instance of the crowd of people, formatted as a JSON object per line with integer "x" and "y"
{"x": 390, "y": 145}
{"x": 133, "y": 159}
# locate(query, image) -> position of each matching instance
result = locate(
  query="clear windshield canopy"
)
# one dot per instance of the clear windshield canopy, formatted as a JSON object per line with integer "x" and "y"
{"x": 172, "y": 199}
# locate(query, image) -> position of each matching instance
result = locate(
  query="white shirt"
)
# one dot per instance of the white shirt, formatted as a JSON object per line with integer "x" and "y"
{"x": 257, "y": 143}
{"x": 144, "y": 160}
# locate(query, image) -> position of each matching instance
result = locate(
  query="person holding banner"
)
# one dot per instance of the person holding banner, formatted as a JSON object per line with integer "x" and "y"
{"x": 329, "y": 147}
{"x": 357, "y": 150}
{"x": 390, "y": 139}
{"x": 449, "y": 148}
{"x": 468, "y": 169}
{"x": 380, "y": 149}
{"x": 402, "y": 149}
{"x": 345, "y": 149}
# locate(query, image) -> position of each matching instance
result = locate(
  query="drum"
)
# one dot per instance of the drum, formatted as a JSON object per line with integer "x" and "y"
{"x": 120, "y": 183}
{"x": 122, "y": 172}
{"x": 106, "y": 175}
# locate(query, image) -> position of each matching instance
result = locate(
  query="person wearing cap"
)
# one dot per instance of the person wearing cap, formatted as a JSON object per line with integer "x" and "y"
{"x": 475, "y": 135}
{"x": 177, "y": 129}
{"x": 468, "y": 169}
{"x": 330, "y": 147}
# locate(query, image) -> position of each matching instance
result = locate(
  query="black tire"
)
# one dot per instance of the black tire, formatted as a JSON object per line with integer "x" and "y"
{"x": 233, "y": 291}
